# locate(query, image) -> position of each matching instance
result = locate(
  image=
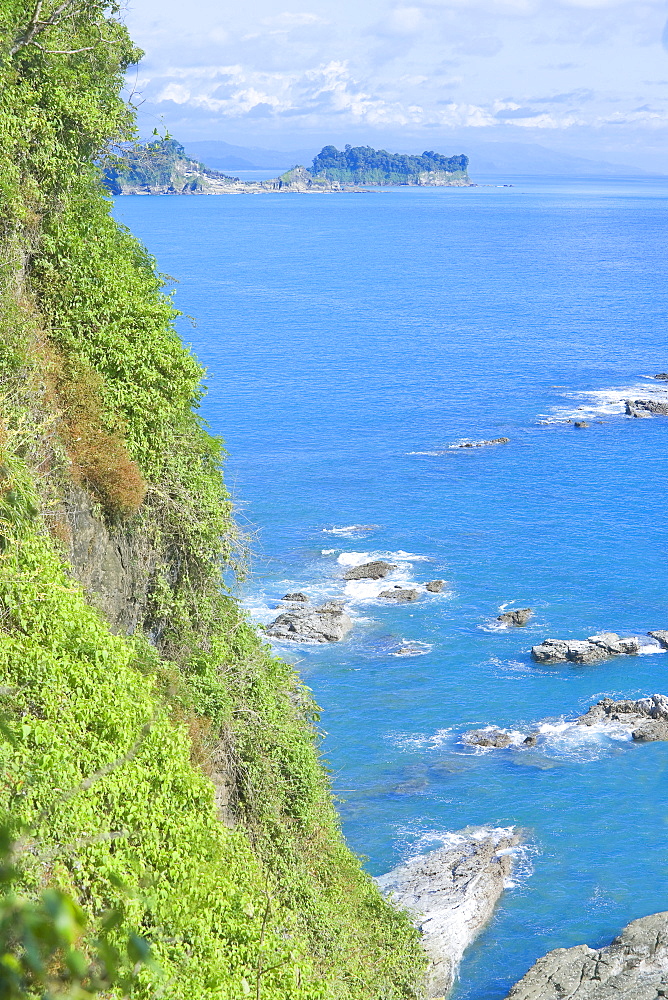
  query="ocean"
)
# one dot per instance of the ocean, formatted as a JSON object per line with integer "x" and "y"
{"x": 352, "y": 342}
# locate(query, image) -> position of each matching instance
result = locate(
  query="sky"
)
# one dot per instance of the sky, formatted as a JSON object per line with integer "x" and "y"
{"x": 587, "y": 77}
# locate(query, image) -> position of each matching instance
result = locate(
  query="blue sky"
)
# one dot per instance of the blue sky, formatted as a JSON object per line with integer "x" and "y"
{"x": 589, "y": 77}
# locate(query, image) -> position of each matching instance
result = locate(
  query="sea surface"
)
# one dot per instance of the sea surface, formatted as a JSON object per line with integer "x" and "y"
{"x": 351, "y": 341}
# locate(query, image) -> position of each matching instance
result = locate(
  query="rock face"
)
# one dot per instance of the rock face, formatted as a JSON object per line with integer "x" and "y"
{"x": 376, "y": 570}
{"x": 520, "y": 616}
{"x": 633, "y": 406}
{"x": 298, "y": 596}
{"x": 649, "y": 716}
{"x": 633, "y": 967}
{"x": 400, "y": 594}
{"x": 596, "y": 647}
{"x": 661, "y": 636}
{"x": 496, "y": 738}
{"x": 451, "y": 894}
{"x": 435, "y": 586}
{"x": 328, "y": 623}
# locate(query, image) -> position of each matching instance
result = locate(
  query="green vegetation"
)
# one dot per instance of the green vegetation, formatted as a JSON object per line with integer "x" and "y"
{"x": 159, "y": 164}
{"x": 170, "y": 779}
{"x": 364, "y": 165}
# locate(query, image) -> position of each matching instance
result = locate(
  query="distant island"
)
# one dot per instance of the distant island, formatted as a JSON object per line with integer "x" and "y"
{"x": 364, "y": 165}
{"x": 163, "y": 167}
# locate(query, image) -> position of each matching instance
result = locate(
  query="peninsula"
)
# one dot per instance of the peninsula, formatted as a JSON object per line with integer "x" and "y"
{"x": 162, "y": 167}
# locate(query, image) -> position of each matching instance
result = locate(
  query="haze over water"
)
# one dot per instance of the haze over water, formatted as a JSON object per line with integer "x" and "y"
{"x": 350, "y": 341}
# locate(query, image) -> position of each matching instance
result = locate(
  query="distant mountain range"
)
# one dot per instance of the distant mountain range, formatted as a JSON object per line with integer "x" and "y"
{"x": 499, "y": 158}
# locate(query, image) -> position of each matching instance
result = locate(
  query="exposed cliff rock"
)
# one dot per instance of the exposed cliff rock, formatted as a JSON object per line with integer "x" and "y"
{"x": 633, "y": 967}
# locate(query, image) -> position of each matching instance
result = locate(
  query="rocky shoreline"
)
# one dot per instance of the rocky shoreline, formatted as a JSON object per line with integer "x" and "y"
{"x": 451, "y": 894}
{"x": 633, "y": 967}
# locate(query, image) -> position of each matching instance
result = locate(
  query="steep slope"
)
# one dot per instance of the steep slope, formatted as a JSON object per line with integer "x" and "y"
{"x": 156, "y": 757}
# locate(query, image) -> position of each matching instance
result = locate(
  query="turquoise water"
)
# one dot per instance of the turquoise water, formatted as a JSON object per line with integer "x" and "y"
{"x": 344, "y": 336}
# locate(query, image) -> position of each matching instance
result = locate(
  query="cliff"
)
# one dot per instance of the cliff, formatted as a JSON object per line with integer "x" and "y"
{"x": 160, "y": 767}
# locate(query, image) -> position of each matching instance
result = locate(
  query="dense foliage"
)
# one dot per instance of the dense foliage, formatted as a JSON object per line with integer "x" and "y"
{"x": 121, "y": 755}
{"x": 364, "y": 165}
{"x": 160, "y": 163}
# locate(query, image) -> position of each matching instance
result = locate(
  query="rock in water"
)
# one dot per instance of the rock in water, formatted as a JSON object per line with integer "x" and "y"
{"x": 661, "y": 636}
{"x": 328, "y": 623}
{"x": 649, "y": 716}
{"x": 520, "y": 616}
{"x": 403, "y": 595}
{"x": 298, "y": 596}
{"x": 633, "y": 967}
{"x": 435, "y": 586}
{"x": 663, "y": 376}
{"x": 451, "y": 894}
{"x": 596, "y": 647}
{"x": 646, "y": 405}
{"x": 496, "y": 738}
{"x": 376, "y": 570}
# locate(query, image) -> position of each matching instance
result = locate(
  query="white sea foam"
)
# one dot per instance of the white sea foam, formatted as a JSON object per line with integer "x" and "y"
{"x": 596, "y": 403}
{"x": 328, "y": 552}
{"x": 351, "y": 530}
{"x": 412, "y": 647}
{"x": 650, "y": 649}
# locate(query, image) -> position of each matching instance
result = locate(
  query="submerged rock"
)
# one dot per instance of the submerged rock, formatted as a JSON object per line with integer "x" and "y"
{"x": 481, "y": 444}
{"x": 496, "y": 738}
{"x": 376, "y": 570}
{"x": 663, "y": 376}
{"x": 596, "y": 647}
{"x": 648, "y": 716}
{"x": 581, "y": 423}
{"x": 451, "y": 894}
{"x": 298, "y": 596}
{"x": 633, "y": 967}
{"x": 633, "y": 406}
{"x": 328, "y": 623}
{"x": 435, "y": 586}
{"x": 400, "y": 594}
{"x": 520, "y": 616}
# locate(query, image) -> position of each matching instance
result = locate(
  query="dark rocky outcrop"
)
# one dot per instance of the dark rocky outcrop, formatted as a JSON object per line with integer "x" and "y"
{"x": 328, "y": 623}
{"x": 400, "y": 594}
{"x": 520, "y": 616}
{"x": 596, "y": 647}
{"x": 451, "y": 894}
{"x": 435, "y": 586}
{"x": 481, "y": 444}
{"x": 661, "y": 636}
{"x": 116, "y": 564}
{"x": 497, "y": 739}
{"x": 297, "y": 597}
{"x": 644, "y": 406}
{"x": 375, "y": 570}
{"x": 580, "y": 423}
{"x": 633, "y": 967}
{"x": 663, "y": 376}
{"x": 648, "y": 716}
